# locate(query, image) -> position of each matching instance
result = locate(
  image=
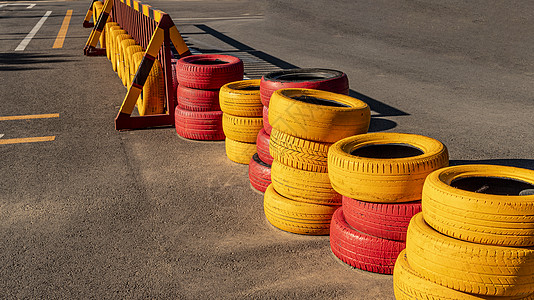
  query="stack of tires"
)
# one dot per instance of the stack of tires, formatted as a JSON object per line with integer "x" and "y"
{"x": 319, "y": 79}
{"x": 305, "y": 123}
{"x": 474, "y": 238}
{"x": 126, "y": 56}
{"x": 242, "y": 118}
{"x": 198, "y": 115}
{"x": 380, "y": 176}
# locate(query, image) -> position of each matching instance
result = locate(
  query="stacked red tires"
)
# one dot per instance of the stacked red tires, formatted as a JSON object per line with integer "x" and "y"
{"x": 305, "y": 122}
{"x": 198, "y": 115}
{"x": 380, "y": 176}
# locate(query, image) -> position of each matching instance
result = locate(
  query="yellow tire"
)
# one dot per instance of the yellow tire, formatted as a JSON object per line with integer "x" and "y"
{"x": 135, "y": 61}
{"x": 107, "y": 37}
{"x": 468, "y": 267}
{"x": 131, "y": 69}
{"x": 318, "y": 115}
{"x": 151, "y": 101}
{"x": 304, "y": 186}
{"x": 299, "y": 153}
{"x": 384, "y": 167}
{"x": 239, "y": 152}
{"x": 124, "y": 68}
{"x": 97, "y": 10}
{"x": 409, "y": 285}
{"x": 297, "y": 217}
{"x": 117, "y": 50}
{"x": 115, "y": 31}
{"x": 242, "y": 129}
{"x": 452, "y": 207}
{"x": 241, "y": 98}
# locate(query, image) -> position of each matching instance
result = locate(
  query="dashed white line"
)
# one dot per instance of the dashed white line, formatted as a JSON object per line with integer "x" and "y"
{"x": 32, "y": 33}
{"x": 29, "y": 5}
{"x": 1, "y": 135}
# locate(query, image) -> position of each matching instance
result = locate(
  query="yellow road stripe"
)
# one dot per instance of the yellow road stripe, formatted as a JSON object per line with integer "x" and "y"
{"x": 63, "y": 30}
{"x": 26, "y": 117}
{"x": 27, "y": 140}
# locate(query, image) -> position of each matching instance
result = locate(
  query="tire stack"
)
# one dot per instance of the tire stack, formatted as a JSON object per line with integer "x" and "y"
{"x": 319, "y": 79}
{"x": 305, "y": 123}
{"x": 474, "y": 238}
{"x": 380, "y": 176}
{"x": 242, "y": 118}
{"x": 198, "y": 115}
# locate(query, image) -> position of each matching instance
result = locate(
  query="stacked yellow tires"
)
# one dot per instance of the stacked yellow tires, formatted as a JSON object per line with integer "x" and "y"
{"x": 242, "y": 118}
{"x": 305, "y": 123}
{"x": 474, "y": 238}
{"x": 380, "y": 176}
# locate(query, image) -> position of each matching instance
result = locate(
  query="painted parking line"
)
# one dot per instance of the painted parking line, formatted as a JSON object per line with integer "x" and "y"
{"x": 27, "y": 117}
{"x": 32, "y": 33}
{"x": 63, "y": 30}
{"x": 28, "y": 5}
{"x": 28, "y": 140}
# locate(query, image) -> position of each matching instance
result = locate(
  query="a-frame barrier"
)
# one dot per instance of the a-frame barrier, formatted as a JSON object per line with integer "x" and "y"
{"x": 132, "y": 15}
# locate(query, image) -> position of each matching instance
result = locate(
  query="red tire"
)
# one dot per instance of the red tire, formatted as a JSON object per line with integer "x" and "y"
{"x": 266, "y": 125}
{"x": 317, "y": 79}
{"x": 206, "y": 126}
{"x": 208, "y": 71}
{"x": 259, "y": 173}
{"x": 361, "y": 250}
{"x": 197, "y": 100}
{"x": 262, "y": 143}
{"x": 383, "y": 220}
{"x": 174, "y": 79}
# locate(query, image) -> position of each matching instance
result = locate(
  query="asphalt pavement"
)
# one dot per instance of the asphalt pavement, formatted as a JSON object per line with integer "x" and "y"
{"x": 90, "y": 212}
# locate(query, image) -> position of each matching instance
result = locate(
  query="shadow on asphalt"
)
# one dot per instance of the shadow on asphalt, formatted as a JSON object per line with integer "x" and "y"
{"x": 22, "y": 61}
{"x": 518, "y": 163}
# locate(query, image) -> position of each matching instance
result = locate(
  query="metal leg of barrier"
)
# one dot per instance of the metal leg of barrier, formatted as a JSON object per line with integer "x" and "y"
{"x": 90, "y": 47}
{"x": 87, "y": 21}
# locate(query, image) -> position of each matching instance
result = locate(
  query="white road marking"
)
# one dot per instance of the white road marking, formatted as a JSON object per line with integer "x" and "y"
{"x": 1, "y": 135}
{"x": 218, "y": 18}
{"x": 32, "y": 33}
{"x": 29, "y": 5}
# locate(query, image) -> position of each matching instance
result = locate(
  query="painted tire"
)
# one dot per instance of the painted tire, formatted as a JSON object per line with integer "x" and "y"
{"x": 361, "y": 250}
{"x": 407, "y": 285}
{"x": 369, "y": 174}
{"x": 469, "y": 267}
{"x": 151, "y": 101}
{"x": 304, "y": 186}
{"x": 114, "y": 32}
{"x": 208, "y": 71}
{"x": 295, "y": 216}
{"x": 262, "y": 144}
{"x": 318, "y": 79}
{"x": 205, "y": 126}
{"x": 384, "y": 220}
{"x": 197, "y": 100}
{"x": 242, "y": 129}
{"x": 497, "y": 216}
{"x": 318, "y": 115}
{"x": 124, "y": 65}
{"x": 117, "y": 51}
{"x": 130, "y": 52}
{"x": 107, "y": 37}
{"x": 241, "y": 98}
{"x": 266, "y": 125}
{"x": 259, "y": 173}
{"x": 239, "y": 152}
{"x": 299, "y": 153}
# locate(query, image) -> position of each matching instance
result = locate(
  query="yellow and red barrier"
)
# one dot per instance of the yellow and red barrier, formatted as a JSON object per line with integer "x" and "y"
{"x": 154, "y": 30}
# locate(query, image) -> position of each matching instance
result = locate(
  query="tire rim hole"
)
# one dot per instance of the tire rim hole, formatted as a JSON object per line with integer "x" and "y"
{"x": 304, "y": 77}
{"x": 387, "y": 151}
{"x": 493, "y": 185}
{"x": 319, "y": 101}
{"x": 205, "y": 62}
{"x": 250, "y": 88}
